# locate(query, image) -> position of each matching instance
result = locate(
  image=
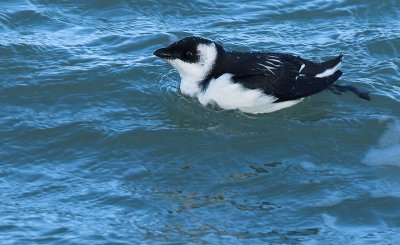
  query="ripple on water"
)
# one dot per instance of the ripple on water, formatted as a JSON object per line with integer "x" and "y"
{"x": 99, "y": 145}
{"x": 30, "y": 21}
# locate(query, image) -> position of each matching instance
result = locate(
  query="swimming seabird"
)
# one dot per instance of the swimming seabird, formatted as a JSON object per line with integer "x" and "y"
{"x": 253, "y": 82}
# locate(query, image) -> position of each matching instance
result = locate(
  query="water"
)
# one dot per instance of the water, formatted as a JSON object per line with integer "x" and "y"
{"x": 98, "y": 146}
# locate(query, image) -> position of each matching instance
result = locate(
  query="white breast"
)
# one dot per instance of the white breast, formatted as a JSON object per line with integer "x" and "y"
{"x": 229, "y": 95}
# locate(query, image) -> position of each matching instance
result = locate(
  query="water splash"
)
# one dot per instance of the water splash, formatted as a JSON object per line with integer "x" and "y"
{"x": 388, "y": 150}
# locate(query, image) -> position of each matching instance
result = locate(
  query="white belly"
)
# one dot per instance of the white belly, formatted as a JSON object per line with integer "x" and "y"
{"x": 229, "y": 95}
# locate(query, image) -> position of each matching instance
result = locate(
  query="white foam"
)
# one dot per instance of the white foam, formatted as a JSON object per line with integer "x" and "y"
{"x": 388, "y": 150}
{"x": 308, "y": 165}
{"x": 335, "y": 223}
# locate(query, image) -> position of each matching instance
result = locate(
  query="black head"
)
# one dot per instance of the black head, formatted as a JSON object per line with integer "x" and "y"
{"x": 194, "y": 57}
{"x": 185, "y": 49}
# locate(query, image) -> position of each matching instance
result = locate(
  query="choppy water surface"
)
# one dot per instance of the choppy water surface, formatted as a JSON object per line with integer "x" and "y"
{"x": 98, "y": 146}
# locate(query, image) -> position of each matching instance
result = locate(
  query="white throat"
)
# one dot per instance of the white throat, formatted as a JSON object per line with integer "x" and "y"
{"x": 193, "y": 73}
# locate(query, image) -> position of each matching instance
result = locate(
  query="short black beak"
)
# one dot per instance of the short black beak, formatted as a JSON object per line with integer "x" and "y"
{"x": 163, "y": 53}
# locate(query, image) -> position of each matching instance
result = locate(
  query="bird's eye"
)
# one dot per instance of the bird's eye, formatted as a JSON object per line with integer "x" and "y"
{"x": 189, "y": 54}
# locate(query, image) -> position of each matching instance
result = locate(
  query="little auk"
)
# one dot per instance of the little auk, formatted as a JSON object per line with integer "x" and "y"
{"x": 252, "y": 82}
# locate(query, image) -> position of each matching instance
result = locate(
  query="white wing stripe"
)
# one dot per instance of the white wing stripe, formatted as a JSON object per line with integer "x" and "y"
{"x": 302, "y": 67}
{"x": 329, "y": 71}
{"x": 269, "y": 68}
{"x": 269, "y": 62}
{"x": 276, "y": 60}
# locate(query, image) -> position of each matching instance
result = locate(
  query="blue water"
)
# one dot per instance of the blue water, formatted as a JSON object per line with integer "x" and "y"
{"x": 98, "y": 146}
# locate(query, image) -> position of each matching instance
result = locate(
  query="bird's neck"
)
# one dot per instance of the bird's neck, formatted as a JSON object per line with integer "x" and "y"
{"x": 190, "y": 85}
{"x": 196, "y": 77}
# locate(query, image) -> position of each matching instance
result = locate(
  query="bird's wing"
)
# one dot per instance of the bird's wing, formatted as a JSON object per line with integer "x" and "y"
{"x": 284, "y": 76}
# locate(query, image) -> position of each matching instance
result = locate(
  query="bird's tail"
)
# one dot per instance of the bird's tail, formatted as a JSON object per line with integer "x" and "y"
{"x": 306, "y": 85}
{"x": 329, "y": 67}
{"x": 319, "y": 76}
{"x": 324, "y": 69}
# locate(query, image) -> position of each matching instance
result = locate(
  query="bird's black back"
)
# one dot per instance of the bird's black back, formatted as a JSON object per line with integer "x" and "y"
{"x": 274, "y": 73}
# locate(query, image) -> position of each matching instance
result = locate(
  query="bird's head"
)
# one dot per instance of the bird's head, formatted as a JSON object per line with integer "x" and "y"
{"x": 193, "y": 57}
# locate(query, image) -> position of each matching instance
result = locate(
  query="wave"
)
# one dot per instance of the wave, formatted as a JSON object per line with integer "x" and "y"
{"x": 387, "y": 152}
